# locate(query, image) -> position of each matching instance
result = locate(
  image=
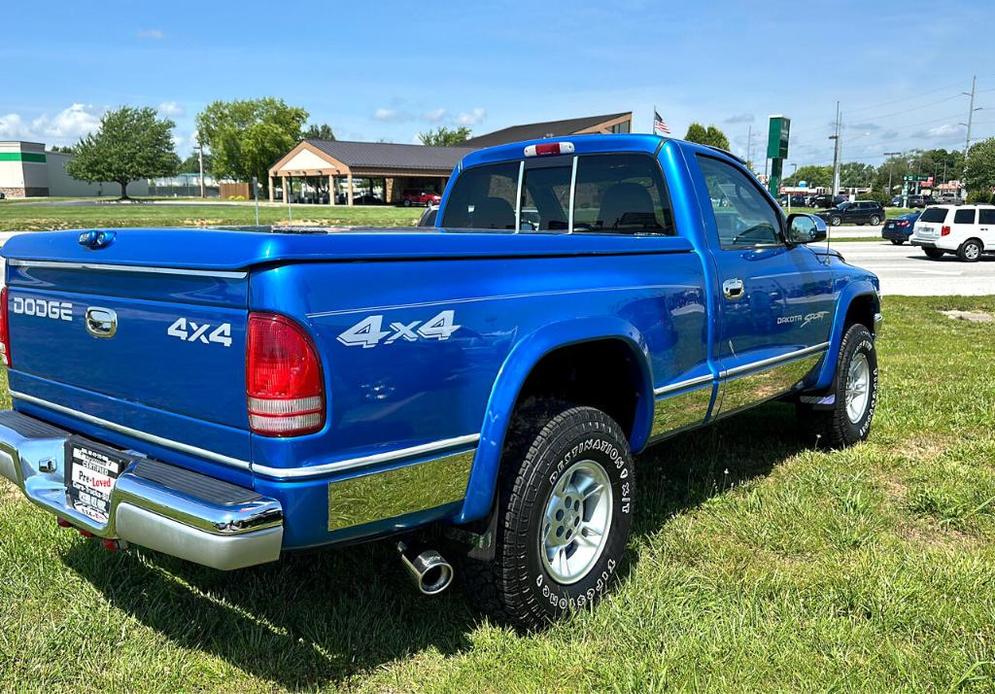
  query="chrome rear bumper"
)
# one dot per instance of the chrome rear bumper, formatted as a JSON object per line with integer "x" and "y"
{"x": 153, "y": 504}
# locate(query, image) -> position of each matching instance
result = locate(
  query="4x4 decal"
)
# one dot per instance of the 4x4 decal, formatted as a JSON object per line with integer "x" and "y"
{"x": 369, "y": 332}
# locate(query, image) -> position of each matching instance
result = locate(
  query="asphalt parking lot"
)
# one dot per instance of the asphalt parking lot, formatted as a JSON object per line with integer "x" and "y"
{"x": 905, "y": 270}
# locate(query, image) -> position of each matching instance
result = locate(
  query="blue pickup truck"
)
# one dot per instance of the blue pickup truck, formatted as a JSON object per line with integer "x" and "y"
{"x": 477, "y": 389}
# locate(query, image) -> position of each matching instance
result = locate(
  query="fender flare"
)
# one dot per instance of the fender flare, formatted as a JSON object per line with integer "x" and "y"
{"x": 854, "y": 290}
{"x": 511, "y": 377}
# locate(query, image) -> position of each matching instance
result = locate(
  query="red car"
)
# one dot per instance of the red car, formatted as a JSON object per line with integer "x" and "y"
{"x": 420, "y": 197}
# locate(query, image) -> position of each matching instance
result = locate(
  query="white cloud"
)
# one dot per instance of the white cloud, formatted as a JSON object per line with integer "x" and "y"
{"x": 474, "y": 117}
{"x": 435, "y": 115}
{"x": 152, "y": 34}
{"x": 389, "y": 115}
{"x": 65, "y": 127}
{"x": 69, "y": 124}
{"x": 13, "y": 127}
{"x": 946, "y": 130}
{"x": 170, "y": 109}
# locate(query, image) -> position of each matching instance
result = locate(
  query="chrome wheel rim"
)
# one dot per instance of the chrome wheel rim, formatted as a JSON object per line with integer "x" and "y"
{"x": 972, "y": 251}
{"x": 858, "y": 387}
{"x": 576, "y": 523}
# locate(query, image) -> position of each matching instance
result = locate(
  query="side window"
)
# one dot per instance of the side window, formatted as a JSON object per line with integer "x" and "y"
{"x": 986, "y": 216}
{"x": 483, "y": 198}
{"x": 964, "y": 216}
{"x": 621, "y": 194}
{"x": 743, "y": 215}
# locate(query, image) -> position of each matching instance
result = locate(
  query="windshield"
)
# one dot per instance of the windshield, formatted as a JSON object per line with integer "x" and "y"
{"x": 843, "y": 205}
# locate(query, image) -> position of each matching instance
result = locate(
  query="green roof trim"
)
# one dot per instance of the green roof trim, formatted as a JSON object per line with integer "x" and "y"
{"x": 34, "y": 157}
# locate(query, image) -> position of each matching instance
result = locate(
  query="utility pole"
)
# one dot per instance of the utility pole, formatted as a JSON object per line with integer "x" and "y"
{"x": 970, "y": 121}
{"x": 749, "y": 146}
{"x": 891, "y": 168}
{"x": 836, "y": 153}
{"x": 200, "y": 158}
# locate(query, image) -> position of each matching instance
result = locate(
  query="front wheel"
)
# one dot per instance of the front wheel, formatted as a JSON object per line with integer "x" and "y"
{"x": 875, "y": 220}
{"x": 835, "y": 221}
{"x": 933, "y": 253}
{"x": 855, "y": 393}
{"x": 564, "y": 514}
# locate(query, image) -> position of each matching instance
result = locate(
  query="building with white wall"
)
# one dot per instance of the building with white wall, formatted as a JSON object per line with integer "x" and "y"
{"x": 28, "y": 170}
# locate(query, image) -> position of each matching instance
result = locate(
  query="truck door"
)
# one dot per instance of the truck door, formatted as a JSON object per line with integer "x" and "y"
{"x": 775, "y": 300}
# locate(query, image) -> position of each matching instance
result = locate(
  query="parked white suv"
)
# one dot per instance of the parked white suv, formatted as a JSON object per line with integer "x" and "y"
{"x": 968, "y": 231}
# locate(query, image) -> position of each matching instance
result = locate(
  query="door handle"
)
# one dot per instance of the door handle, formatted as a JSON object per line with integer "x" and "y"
{"x": 733, "y": 289}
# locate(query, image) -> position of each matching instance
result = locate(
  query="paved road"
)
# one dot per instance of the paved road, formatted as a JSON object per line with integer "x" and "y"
{"x": 907, "y": 271}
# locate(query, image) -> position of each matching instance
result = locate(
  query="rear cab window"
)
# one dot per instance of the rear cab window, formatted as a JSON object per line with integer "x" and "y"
{"x": 934, "y": 215}
{"x": 588, "y": 193}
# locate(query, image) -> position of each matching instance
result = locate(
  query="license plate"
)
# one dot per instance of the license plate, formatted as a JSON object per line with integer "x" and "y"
{"x": 92, "y": 470}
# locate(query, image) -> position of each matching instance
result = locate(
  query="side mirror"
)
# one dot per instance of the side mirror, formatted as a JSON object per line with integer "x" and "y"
{"x": 806, "y": 228}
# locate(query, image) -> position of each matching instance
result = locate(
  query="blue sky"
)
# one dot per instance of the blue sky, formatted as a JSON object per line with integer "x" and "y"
{"x": 387, "y": 70}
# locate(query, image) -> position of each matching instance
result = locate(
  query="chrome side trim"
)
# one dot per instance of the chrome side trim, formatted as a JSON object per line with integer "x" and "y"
{"x": 758, "y": 386}
{"x": 398, "y": 492}
{"x": 128, "y": 431}
{"x": 236, "y": 275}
{"x": 680, "y": 411}
{"x": 680, "y": 385}
{"x": 774, "y": 360}
{"x": 364, "y": 461}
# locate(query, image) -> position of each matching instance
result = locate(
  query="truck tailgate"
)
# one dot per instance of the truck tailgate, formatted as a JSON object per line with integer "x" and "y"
{"x": 160, "y": 351}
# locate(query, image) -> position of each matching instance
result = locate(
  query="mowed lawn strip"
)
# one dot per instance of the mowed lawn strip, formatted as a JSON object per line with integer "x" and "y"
{"x": 28, "y": 217}
{"x": 756, "y": 563}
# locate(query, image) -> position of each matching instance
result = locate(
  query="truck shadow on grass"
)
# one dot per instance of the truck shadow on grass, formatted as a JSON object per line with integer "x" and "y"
{"x": 321, "y": 617}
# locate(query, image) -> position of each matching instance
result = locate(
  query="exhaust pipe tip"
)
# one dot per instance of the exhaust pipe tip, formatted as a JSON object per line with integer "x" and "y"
{"x": 429, "y": 570}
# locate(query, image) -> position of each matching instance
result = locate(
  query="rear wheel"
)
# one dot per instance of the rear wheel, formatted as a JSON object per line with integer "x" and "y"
{"x": 855, "y": 393}
{"x": 897, "y": 242}
{"x": 564, "y": 514}
{"x": 933, "y": 253}
{"x": 970, "y": 251}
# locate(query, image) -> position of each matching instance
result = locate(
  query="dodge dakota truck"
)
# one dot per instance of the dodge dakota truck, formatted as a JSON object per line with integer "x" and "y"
{"x": 476, "y": 389}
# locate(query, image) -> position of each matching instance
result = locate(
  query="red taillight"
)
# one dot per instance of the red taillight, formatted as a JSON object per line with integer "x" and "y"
{"x": 286, "y": 395}
{"x": 548, "y": 148}
{"x": 901, "y": 224}
{"x": 4, "y": 329}
{"x": 945, "y": 231}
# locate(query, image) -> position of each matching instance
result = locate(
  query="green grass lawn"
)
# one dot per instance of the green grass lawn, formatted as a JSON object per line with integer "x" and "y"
{"x": 757, "y": 563}
{"x": 24, "y": 217}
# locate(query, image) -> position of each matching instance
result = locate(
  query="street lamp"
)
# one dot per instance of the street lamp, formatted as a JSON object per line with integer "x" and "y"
{"x": 199, "y": 148}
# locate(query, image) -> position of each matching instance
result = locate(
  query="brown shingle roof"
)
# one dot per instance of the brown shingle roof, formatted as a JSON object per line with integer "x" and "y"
{"x": 387, "y": 155}
{"x": 534, "y": 131}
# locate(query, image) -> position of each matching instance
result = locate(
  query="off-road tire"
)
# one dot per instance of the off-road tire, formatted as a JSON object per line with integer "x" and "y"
{"x": 933, "y": 253}
{"x": 970, "y": 251}
{"x": 832, "y": 426}
{"x": 545, "y": 440}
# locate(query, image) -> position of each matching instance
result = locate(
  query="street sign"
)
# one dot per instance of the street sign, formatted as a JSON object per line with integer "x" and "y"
{"x": 916, "y": 177}
{"x": 777, "y": 137}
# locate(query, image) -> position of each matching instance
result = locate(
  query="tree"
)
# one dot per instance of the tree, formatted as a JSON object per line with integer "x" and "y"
{"x": 192, "y": 163}
{"x": 856, "y": 174}
{"x": 445, "y": 137}
{"x": 319, "y": 132}
{"x": 980, "y": 176}
{"x": 247, "y": 137}
{"x": 61, "y": 150}
{"x": 711, "y": 136}
{"x": 814, "y": 176}
{"x": 132, "y": 143}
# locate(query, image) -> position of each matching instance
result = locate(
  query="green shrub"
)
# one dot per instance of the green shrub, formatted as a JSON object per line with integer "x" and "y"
{"x": 979, "y": 197}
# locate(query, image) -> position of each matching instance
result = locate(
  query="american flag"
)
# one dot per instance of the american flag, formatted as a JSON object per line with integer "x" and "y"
{"x": 659, "y": 125}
